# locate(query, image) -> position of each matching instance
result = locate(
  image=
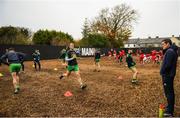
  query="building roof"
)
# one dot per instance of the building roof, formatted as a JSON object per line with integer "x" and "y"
{"x": 145, "y": 40}
{"x": 150, "y": 41}
{"x": 132, "y": 41}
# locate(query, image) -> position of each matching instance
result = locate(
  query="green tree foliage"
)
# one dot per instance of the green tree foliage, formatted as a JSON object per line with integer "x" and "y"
{"x": 92, "y": 39}
{"x": 14, "y": 35}
{"x": 86, "y": 29}
{"x": 52, "y": 38}
{"x": 95, "y": 40}
{"x": 42, "y": 37}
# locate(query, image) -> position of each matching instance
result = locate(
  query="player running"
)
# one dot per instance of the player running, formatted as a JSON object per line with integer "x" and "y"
{"x": 14, "y": 66}
{"x": 121, "y": 54}
{"x": 73, "y": 65}
{"x": 141, "y": 58}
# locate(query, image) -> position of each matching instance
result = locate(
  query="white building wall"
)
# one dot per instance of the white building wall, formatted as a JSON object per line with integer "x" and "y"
{"x": 131, "y": 45}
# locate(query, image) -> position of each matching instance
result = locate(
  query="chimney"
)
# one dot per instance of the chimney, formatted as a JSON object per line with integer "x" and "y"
{"x": 157, "y": 37}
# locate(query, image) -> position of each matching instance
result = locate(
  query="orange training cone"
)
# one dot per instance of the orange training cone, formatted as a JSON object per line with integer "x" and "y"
{"x": 68, "y": 94}
{"x": 120, "y": 78}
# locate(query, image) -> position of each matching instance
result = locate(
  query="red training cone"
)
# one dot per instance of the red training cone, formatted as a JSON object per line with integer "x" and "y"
{"x": 68, "y": 94}
{"x": 120, "y": 78}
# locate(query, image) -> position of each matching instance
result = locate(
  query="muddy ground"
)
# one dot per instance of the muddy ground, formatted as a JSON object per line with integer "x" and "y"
{"x": 42, "y": 93}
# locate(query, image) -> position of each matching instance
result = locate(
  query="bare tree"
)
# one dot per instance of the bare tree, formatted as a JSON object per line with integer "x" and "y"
{"x": 115, "y": 23}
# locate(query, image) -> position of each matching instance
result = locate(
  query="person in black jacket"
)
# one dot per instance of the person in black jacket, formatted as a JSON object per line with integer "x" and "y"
{"x": 21, "y": 59}
{"x": 132, "y": 66}
{"x": 97, "y": 57}
{"x": 168, "y": 72}
{"x": 11, "y": 58}
{"x": 36, "y": 58}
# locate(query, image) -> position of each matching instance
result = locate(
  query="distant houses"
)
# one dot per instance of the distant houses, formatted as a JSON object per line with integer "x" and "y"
{"x": 150, "y": 42}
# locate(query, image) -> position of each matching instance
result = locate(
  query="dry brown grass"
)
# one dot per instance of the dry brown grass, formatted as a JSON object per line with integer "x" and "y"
{"x": 42, "y": 93}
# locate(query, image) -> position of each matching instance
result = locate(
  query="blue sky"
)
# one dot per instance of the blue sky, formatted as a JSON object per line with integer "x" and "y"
{"x": 157, "y": 17}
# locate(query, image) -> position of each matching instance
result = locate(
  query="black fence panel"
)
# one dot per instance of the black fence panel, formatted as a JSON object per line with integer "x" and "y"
{"x": 47, "y": 52}
{"x": 53, "y": 52}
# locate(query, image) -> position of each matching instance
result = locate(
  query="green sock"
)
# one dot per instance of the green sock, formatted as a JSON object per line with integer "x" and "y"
{"x": 134, "y": 79}
{"x": 17, "y": 86}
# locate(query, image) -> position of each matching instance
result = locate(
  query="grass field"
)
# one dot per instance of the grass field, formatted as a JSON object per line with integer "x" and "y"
{"x": 42, "y": 93}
